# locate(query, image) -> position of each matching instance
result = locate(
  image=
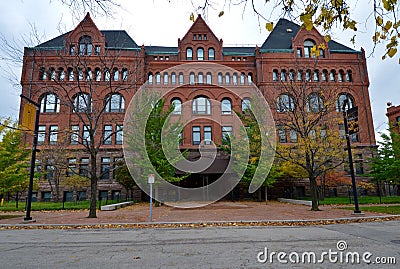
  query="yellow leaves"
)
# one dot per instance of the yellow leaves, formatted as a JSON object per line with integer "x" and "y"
{"x": 327, "y": 38}
{"x": 221, "y": 14}
{"x": 322, "y": 46}
{"x": 391, "y": 52}
{"x": 389, "y": 4}
{"x": 379, "y": 20}
{"x": 387, "y": 26}
{"x": 269, "y": 26}
{"x": 306, "y": 18}
{"x": 191, "y": 17}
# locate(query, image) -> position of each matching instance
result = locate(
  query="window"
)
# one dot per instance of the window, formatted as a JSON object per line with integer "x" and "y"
{"x": 85, "y": 45}
{"x": 116, "y": 74}
{"x": 50, "y": 103}
{"x": 219, "y": 78}
{"x": 49, "y": 172}
{"x": 201, "y": 105}
{"x": 226, "y": 133}
{"x": 359, "y": 164}
{"x": 80, "y": 74}
{"x": 115, "y": 103}
{"x": 107, "y": 75}
{"x": 196, "y": 135}
{"x": 97, "y": 72}
{"x": 250, "y": 78}
{"x": 189, "y": 54}
{"x": 41, "y": 134}
{"x": 86, "y": 135}
{"x": 70, "y": 74}
{"x": 181, "y": 81}
{"x": 275, "y": 75}
{"x": 242, "y": 78}
{"x": 42, "y": 74}
{"x": 291, "y": 75}
{"x": 84, "y": 167}
{"x": 234, "y": 79}
{"x": 173, "y": 78}
{"x": 107, "y": 134}
{"x": 341, "y": 100}
{"x": 211, "y": 54}
{"x": 204, "y": 37}
{"x": 315, "y": 103}
{"x": 340, "y": 75}
{"x": 191, "y": 78}
{"x": 177, "y": 103}
{"x": 46, "y": 196}
{"x": 308, "y": 45}
{"x": 227, "y": 78}
{"x": 321, "y": 53}
{"x": 124, "y": 74}
{"x": 282, "y": 134}
{"x": 226, "y": 106}
{"x": 166, "y": 78}
{"x": 71, "y": 167}
{"x": 150, "y": 78}
{"x": 284, "y": 103}
{"x": 53, "y": 134}
{"x": 299, "y": 75}
{"x": 324, "y": 75}
{"x": 52, "y": 74}
{"x": 293, "y": 136}
{"x": 308, "y": 75}
{"x": 200, "y": 54}
{"x": 332, "y": 75}
{"x": 299, "y": 53}
{"x": 97, "y": 50}
{"x": 283, "y": 75}
{"x": 89, "y": 74}
{"x": 71, "y": 50}
{"x": 349, "y": 77}
{"x": 158, "y": 78}
{"x": 82, "y": 103}
{"x": 74, "y": 134}
{"x": 200, "y": 78}
{"x": 119, "y": 135}
{"x": 207, "y": 135}
{"x": 209, "y": 78}
{"x": 316, "y": 75}
{"x": 61, "y": 74}
{"x": 246, "y": 104}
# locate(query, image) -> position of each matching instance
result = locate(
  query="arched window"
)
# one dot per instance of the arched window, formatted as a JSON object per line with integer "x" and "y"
{"x": 61, "y": 74}
{"x": 342, "y": 97}
{"x": 42, "y": 74}
{"x": 340, "y": 75}
{"x": 308, "y": 45}
{"x": 308, "y": 75}
{"x": 284, "y": 103}
{"x": 227, "y": 78}
{"x": 219, "y": 78}
{"x": 158, "y": 78}
{"x": 299, "y": 75}
{"x": 52, "y": 73}
{"x": 246, "y": 104}
{"x": 173, "y": 78}
{"x": 85, "y": 45}
{"x": 315, "y": 103}
{"x": 70, "y": 74}
{"x": 166, "y": 78}
{"x": 116, "y": 74}
{"x": 324, "y": 75}
{"x": 316, "y": 75}
{"x": 107, "y": 75}
{"x": 115, "y": 103}
{"x": 283, "y": 75}
{"x": 191, "y": 78}
{"x": 181, "y": 80}
{"x": 80, "y": 74}
{"x": 177, "y": 103}
{"x": 201, "y": 105}
{"x": 200, "y": 54}
{"x": 250, "y": 78}
{"x": 98, "y": 74}
{"x": 242, "y": 78}
{"x": 211, "y": 54}
{"x": 234, "y": 79}
{"x": 82, "y": 103}
{"x": 50, "y": 103}
{"x": 200, "y": 78}
{"x": 226, "y": 106}
{"x": 89, "y": 74}
{"x": 124, "y": 74}
{"x": 349, "y": 77}
{"x": 332, "y": 75}
{"x": 150, "y": 78}
{"x": 275, "y": 75}
{"x": 291, "y": 75}
{"x": 209, "y": 78}
{"x": 189, "y": 54}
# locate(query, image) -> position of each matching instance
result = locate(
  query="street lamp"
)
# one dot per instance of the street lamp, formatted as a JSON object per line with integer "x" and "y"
{"x": 28, "y": 217}
{"x": 353, "y": 179}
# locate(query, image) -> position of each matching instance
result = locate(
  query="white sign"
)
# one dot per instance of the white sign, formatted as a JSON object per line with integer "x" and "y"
{"x": 151, "y": 178}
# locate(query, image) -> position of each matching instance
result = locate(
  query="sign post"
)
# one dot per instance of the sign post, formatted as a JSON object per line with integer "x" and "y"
{"x": 151, "y": 181}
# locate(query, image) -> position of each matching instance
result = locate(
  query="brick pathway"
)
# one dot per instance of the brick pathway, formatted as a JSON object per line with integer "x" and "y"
{"x": 220, "y": 211}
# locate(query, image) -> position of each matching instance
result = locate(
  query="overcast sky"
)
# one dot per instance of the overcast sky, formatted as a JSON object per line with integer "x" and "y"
{"x": 162, "y": 22}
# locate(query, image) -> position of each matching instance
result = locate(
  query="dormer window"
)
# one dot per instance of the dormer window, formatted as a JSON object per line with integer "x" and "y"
{"x": 85, "y": 45}
{"x": 308, "y": 45}
{"x": 200, "y": 54}
{"x": 189, "y": 54}
{"x": 211, "y": 54}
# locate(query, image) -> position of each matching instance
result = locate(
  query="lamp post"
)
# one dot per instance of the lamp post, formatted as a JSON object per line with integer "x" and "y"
{"x": 28, "y": 217}
{"x": 353, "y": 179}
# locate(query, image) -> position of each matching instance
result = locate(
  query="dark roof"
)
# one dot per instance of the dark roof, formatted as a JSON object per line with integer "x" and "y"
{"x": 250, "y": 51}
{"x": 161, "y": 50}
{"x": 114, "y": 39}
{"x": 281, "y": 38}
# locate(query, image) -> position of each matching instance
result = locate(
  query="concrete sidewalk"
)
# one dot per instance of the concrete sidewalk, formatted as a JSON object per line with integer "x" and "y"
{"x": 217, "y": 212}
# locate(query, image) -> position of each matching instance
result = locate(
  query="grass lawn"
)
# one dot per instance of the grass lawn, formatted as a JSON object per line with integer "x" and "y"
{"x": 361, "y": 200}
{"x": 40, "y": 206}
{"x": 389, "y": 209}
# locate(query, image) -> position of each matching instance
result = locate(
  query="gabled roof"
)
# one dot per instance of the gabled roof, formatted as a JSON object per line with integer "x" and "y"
{"x": 161, "y": 50}
{"x": 280, "y": 39}
{"x": 197, "y": 25}
{"x": 115, "y": 39}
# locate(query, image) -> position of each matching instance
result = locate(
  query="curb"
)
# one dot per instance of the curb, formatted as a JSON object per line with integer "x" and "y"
{"x": 200, "y": 224}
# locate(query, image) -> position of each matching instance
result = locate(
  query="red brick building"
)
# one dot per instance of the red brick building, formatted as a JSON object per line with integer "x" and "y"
{"x": 393, "y": 114}
{"x": 90, "y": 70}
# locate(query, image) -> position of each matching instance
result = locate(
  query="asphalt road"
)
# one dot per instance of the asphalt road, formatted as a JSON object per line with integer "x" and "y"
{"x": 223, "y": 247}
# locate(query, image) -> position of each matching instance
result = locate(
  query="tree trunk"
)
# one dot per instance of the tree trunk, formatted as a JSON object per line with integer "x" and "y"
{"x": 16, "y": 200}
{"x": 314, "y": 193}
{"x": 93, "y": 196}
